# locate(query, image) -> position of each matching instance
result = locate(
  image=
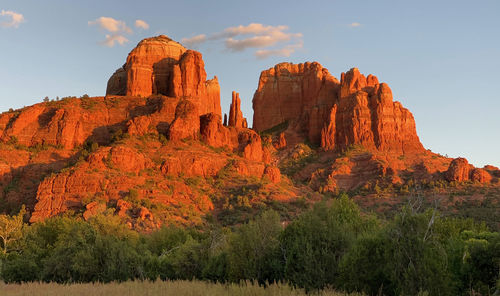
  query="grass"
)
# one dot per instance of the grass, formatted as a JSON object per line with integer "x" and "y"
{"x": 177, "y": 288}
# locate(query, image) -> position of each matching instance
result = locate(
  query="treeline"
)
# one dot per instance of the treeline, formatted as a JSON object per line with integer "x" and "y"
{"x": 332, "y": 245}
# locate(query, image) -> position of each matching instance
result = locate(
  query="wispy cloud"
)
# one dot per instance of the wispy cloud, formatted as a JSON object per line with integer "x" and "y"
{"x": 354, "y": 25}
{"x": 194, "y": 41}
{"x": 141, "y": 24}
{"x": 240, "y": 38}
{"x": 114, "y": 38}
{"x": 283, "y": 52}
{"x": 111, "y": 25}
{"x": 14, "y": 19}
{"x": 117, "y": 28}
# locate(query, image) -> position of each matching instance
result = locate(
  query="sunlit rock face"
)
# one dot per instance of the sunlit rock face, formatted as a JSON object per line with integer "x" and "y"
{"x": 161, "y": 66}
{"x": 358, "y": 110}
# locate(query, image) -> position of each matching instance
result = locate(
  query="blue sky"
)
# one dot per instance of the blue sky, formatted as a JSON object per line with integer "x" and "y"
{"x": 440, "y": 58}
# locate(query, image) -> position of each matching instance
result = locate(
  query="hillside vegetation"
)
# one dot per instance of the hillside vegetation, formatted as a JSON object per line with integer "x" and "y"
{"x": 333, "y": 245}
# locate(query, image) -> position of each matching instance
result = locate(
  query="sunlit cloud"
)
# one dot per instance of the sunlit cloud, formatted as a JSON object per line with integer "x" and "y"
{"x": 282, "y": 52}
{"x": 111, "y": 25}
{"x": 13, "y": 19}
{"x": 141, "y": 24}
{"x": 194, "y": 41}
{"x": 117, "y": 28}
{"x": 112, "y": 39}
{"x": 354, "y": 25}
{"x": 240, "y": 38}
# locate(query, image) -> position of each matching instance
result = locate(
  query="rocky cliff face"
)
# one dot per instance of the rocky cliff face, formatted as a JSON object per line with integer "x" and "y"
{"x": 301, "y": 94}
{"x": 355, "y": 111}
{"x": 161, "y": 66}
{"x": 155, "y": 148}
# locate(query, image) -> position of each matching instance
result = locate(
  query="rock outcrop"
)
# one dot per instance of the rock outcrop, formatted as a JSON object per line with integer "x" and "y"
{"x": 71, "y": 122}
{"x": 158, "y": 140}
{"x": 236, "y": 118}
{"x": 161, "y": 66}
{"x": 355, "y": 111}
{"x": 300, "y": 94}
{"x": 480, "y": 175}
{"x": 186, "y": 123}
{"x": 460, "y": 171}
{"x": 214, "y": 133}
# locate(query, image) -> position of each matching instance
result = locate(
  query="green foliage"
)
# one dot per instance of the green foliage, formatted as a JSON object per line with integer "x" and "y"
{"x": 276, "y": 129}
{"x": 11, "y": 230}
{"x": 301, "y": 156}
{"x": 119, "y": 135}
{"x": 88, "y": 103}
{"x": 254, "y": 250}
{"x": 67, "y": 250}
{"x": 314, "y": 244}
{"x": 332, "y": 245}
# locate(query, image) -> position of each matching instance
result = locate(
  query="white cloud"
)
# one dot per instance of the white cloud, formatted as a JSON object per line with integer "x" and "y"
{"x": 354, "y": 25}
{"x": 117, "y": 28}
{"x": 194, "y": 41}
{"x": 141, "y": 24}
{"x": 111, "y": 25}
{"x": 114, "y": 38}
{"x": 282, "y": 52}
{"x": 15, "y": 19}
{"x": 254, "y": 35}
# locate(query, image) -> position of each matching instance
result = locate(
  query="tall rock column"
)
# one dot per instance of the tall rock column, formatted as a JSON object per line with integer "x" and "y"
{"x": 235, "y": 115}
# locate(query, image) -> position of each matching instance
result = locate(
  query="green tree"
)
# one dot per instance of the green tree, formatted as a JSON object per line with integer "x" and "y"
{"x": 11, "y": 230}
{"x": 314, "y": 244}
{"x": 254, "y": 249}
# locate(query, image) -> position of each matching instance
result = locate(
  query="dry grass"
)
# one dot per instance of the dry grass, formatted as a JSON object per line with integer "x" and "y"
{"x": 177, "y": 288}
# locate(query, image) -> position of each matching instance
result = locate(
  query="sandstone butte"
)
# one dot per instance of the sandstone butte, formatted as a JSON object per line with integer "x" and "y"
{"x": 152, "y": 147}
{"x": 358, "y": 110}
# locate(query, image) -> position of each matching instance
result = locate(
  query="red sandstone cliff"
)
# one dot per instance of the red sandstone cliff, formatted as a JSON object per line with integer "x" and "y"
{"x": 160, "y": 133}
{"x": 355, "y": 111}
{"x": 159, "y": 65}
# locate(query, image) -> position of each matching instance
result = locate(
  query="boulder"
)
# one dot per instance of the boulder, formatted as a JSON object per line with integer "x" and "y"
{"x": 186, "y": 123}
{"x": 273, "y": 174}
{"x": 480, "y": 175}
{"x": 92, "y": 209}
{"x": 459, "y": 170}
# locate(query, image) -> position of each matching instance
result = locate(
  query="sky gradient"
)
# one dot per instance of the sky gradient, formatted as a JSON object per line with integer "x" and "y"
{"x": 440, "y": 58}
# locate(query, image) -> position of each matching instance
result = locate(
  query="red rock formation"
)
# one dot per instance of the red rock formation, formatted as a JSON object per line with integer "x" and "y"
{"x": 459, "y": 170}
{"x": 117, "y": 84}
{"x": 328, "y": 131}
{"x": 92, "y": 209}
{"x": 144, "y": 214}
{"x": 149, "y": 66}
{"x": 214, "y": 133}
{"x": 281, "y": 143}
{"x": 356, "y": 111}
{"x": 301, "y": 94}
{"x": 480, "y": 175}
{"x": 70, "y": 122}
{"x": 235, "y": 115}
{"x": 160, "y": 65}
{"x": 493, "y": 170}
{"x": 273, "y": 174}
{"x": 186, "y": 123}
{"x": 251, "y": 145}
{"x": 190, "y": 165}
{"x": 122, "y": 207}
